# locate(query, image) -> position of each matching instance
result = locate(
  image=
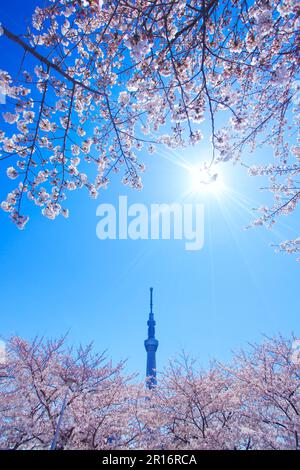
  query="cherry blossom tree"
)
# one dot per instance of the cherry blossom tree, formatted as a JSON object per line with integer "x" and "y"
{"x": 100, "y": 80}
{"x": 34, "y": 381}
{"x": 197, "y": 408}
{"x": 267, "y": 381}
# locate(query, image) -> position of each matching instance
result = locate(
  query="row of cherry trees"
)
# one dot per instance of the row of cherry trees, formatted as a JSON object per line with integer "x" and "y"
{"x": 254, "y": 403}
{"x": 100, "y": 80}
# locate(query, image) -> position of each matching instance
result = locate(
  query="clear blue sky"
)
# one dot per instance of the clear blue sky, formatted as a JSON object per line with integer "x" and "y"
{"x": 57, "y": 276}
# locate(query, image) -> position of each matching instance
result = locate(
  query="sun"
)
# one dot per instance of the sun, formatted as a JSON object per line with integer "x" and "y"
{"x": 206, "y": 180}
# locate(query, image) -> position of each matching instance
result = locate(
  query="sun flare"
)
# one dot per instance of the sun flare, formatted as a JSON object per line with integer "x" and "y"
{"x": 206, "y": 180}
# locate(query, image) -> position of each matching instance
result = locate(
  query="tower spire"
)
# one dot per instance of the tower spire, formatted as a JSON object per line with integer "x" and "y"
{"x": 151, "y": 299}
{"x": 151, "y": 345}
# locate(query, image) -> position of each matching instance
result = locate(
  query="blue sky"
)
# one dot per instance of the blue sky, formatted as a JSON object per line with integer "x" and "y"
{"x": 57, "y": 276}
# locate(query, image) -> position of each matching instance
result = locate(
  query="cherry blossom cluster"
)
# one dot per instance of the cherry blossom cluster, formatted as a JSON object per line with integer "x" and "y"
{"x": 290, "y": 246}
{"x": 112, "y": 78}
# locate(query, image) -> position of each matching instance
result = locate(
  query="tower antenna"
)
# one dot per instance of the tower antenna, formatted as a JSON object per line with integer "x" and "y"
{"x": 151, "y": 299}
